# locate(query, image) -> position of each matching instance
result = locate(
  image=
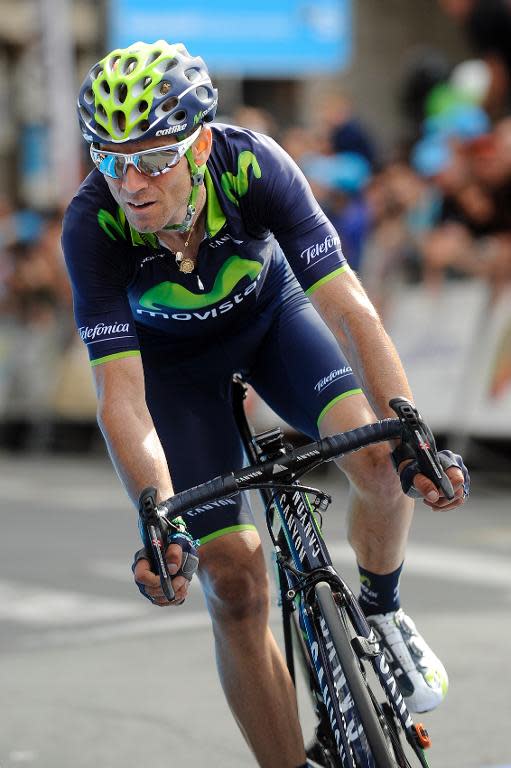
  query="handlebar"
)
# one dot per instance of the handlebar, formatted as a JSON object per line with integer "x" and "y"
{"x": 285, "y": 467}
{"x": 409, "y": 427}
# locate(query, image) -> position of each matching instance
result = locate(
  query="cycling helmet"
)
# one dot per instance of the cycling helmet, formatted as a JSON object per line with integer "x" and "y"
{"x": 144, "y": 91}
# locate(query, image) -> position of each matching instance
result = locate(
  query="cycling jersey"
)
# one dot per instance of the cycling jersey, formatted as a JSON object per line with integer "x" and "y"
{"x": 127, "y": 286}
{"x": 243, "y": 309}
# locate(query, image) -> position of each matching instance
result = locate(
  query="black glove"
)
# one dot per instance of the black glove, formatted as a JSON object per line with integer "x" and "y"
{"x": 189, "y": 563}
{"x": 447, "y": 459}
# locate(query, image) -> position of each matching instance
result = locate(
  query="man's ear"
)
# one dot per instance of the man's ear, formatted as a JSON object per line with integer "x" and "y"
{"x": 202, "y": 146}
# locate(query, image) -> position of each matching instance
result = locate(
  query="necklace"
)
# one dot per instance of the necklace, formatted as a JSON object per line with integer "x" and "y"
{"x": 185, "y": 263}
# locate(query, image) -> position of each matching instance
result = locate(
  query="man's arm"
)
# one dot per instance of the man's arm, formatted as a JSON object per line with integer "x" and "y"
{"x": 347, "y": 310}
{"x": 137, "y": 455}
{"x": 128, "y": 429}
{"x": 345, "y": 307}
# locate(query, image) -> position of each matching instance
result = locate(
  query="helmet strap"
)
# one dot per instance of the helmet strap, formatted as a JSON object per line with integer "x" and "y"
{"x": 197, "y": 177}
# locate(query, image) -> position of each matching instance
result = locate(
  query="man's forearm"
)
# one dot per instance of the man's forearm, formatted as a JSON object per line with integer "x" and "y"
{"x": 135, "y": 449}
{"x": 373, "y": 357}
{"x": 353, "y": 320}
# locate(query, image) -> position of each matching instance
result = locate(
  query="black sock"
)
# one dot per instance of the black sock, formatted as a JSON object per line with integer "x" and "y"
{"x": 379, "y": 593}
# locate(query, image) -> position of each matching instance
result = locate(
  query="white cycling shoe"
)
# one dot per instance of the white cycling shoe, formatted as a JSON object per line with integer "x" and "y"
{"x": 420, "y": 675}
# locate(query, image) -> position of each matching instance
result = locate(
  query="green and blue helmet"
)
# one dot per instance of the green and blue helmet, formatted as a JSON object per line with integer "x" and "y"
{"x": 146, "y": 90}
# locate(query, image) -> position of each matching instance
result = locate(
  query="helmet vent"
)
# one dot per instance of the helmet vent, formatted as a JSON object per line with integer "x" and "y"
{"x": 119, "y": 121}
{"x": 142, "y": 106}
{"x": 96, "y": 72}
{"x": 144, "y": 125}
{"x": 152, "y": 58}
{"x": 84, "y": 114}
{"x": 102, "y": 112}
{"x": 171, "y": 64}
{"x": 121, "y": 92}
{"x": 169, "y": 104}
{"x": 101, "y": 132}
{"x": 105, "y": 87}
{"x": 202, "y": 94}
{"x": 193, "y": 75}
{"x": 165, "y": 87}
{"x": 88, "y": 95}
{"x": 180, "y": 116}
{"x": 113, "y": 62}
{"x": 130, "y": 65}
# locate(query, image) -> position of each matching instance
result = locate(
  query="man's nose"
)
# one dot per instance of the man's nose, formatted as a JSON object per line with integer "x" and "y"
{"x": 133, "y": 181}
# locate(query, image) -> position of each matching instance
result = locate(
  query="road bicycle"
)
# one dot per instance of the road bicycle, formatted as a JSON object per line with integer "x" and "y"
{"x": 362, "y": 719}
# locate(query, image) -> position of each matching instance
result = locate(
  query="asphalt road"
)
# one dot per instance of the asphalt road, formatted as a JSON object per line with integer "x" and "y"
{"x": 92, "y": 676}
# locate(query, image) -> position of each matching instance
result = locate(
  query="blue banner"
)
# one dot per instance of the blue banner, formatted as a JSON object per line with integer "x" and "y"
{"x": 253, "y": 38}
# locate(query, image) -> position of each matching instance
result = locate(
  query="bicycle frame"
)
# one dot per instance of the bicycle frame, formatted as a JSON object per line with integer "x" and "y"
{"x": 311, "y": 563}
{"x": 309, "y": 583}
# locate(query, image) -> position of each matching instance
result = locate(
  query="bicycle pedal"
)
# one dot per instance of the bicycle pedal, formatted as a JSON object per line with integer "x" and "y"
{"x": 364, "y": 648}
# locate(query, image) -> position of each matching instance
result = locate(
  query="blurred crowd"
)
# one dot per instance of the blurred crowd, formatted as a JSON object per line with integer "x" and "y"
{"x": 34, "y": 289}
{"x": 434, "y": 207}
{"x": 437, "y": 207}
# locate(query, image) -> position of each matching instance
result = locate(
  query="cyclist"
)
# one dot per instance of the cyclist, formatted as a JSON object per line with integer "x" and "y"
{"x": 195, "y": 251}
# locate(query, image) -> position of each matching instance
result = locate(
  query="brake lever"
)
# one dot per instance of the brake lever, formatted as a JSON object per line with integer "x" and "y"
{"x": 154, "y": 538}
{"x": 419, "y": 437}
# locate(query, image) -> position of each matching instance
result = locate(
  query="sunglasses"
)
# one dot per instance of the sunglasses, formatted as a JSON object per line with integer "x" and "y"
{"x": 150, "y": 162}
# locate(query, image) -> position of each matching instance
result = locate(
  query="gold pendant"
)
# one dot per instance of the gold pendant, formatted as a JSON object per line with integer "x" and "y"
{"x": 185, "y": 264}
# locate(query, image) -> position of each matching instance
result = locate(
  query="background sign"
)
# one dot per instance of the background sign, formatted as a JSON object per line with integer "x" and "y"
{"x": 490, "y": 414}
{"x": 437, "y": 334}
{"x": 250, "y": 38}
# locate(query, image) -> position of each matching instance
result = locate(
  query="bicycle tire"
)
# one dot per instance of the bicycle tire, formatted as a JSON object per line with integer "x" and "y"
{"x": 336, "y": 622}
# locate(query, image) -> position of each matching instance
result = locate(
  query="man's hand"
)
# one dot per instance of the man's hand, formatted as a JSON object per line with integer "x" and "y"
{"x": 149, "y": 582}
{"x": 417, "y": 485}
{"x": 431, "y": 495}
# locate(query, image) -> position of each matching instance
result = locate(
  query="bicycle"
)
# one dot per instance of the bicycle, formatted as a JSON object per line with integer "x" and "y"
{"x": 323, "y": 624}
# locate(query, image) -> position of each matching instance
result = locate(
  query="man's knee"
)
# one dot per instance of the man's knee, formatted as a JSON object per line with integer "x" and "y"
{"x": 234, "y": 578}
{"x": 371, "y": 471}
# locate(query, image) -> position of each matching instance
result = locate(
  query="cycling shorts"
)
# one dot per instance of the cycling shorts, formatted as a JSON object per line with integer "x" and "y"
{"x": 286, "y": 353}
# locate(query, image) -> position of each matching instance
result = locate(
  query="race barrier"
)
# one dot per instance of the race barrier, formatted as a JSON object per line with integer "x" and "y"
{"x": 455, "y": 344}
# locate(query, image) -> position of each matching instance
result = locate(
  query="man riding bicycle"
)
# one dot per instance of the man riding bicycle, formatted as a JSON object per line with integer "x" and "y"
{"x": 196, "y": 251}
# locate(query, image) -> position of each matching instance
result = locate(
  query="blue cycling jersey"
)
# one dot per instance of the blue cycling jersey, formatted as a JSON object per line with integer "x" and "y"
{"x": 243, "y": 309}
{"x": 127, "y": 288}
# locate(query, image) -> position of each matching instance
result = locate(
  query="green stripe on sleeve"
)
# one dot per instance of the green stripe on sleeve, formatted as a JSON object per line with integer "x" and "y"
{"x": 223, "y": 531}
{"x": 325, "y": 279}
{"x": 336, "y": 400}
{"x": 116, "y": 356}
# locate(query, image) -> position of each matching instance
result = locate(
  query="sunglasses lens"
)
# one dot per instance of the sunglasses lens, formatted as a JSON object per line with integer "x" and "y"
{"x": 109, "y": 165}
{"x": 154, "y": 163}
{"x": 150, "y": 162}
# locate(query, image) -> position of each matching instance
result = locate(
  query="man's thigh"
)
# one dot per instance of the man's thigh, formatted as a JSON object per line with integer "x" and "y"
{"x": 300, "y": 370}
{"x": 200, "y": 438}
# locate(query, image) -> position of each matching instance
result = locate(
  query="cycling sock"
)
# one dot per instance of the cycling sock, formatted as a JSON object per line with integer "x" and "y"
{"x": 379, "y": 593}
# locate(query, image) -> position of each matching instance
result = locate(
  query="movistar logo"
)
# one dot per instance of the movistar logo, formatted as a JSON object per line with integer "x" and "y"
{"x": 118, "y": 227}
{"x": 176, "y": 296}
{"x": 237, "y": 186}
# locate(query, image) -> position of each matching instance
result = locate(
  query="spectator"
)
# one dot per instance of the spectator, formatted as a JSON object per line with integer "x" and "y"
{"x": 338, "y": 182}
{"x": 344, "y": 132}
{"x": 487, "y": 28}
{"x": 424, "y": 69}
{"x": 256, "y": 119}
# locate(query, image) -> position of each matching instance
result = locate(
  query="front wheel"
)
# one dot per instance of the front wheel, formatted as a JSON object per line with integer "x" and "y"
{"x": 375, "y": 728}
